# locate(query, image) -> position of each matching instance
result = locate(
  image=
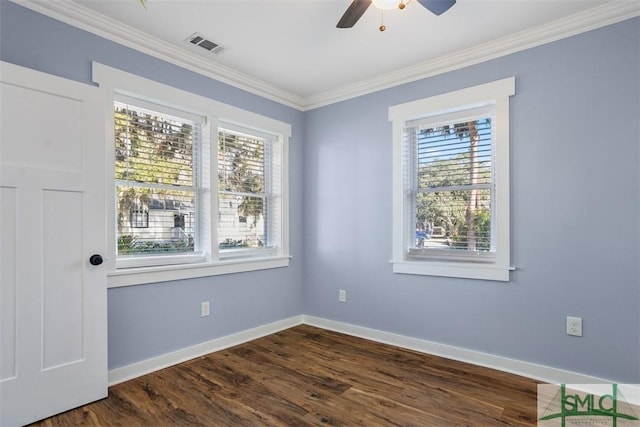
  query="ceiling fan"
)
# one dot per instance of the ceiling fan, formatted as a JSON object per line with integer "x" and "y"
{"x": 357, "y": 8}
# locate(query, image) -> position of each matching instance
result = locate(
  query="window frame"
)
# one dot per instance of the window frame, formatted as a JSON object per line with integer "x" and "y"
{"x": 269, "y": 194}
{"x": 453, "y": 104}
{"x": 113, "y": 83}
{"x": 158, "y": 259}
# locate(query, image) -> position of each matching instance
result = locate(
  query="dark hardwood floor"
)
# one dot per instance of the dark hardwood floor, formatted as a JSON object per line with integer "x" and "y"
{"x": 307, "y": 376}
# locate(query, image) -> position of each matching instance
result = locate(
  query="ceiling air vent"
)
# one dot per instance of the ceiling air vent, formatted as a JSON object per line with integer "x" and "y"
{"x": 199, "y": 40}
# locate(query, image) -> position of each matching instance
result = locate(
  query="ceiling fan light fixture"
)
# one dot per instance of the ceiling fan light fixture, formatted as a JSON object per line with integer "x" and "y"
{"x": 358, "y": 7}
{"x": 386, "y": 4}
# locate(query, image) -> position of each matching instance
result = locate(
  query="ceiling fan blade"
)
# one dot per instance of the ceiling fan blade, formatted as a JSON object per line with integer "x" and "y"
{"x": 437, "y": 7}
{"x": 353, "y": 13}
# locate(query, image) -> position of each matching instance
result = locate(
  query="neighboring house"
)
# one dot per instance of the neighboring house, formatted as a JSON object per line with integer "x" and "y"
{"x": 172, "y": 222}
{"x": 167, "y": 221}
{"x": 239, "y": 230}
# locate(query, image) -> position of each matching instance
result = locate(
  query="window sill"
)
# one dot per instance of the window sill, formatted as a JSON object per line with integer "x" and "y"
{"x": 143, "y": 275}
{"x": 464, "y": 270}
{"x": 127, "y": 263}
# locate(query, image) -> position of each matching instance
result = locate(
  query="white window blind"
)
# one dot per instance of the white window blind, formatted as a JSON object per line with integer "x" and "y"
{"x": 449, "y": 186}
{"x": 156, "y": 180}
{"x": 246, "y": 192}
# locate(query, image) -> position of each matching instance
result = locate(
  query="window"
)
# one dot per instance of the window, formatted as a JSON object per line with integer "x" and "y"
{"x": 139, "y": 218}
{"x": 249, "y": 191}
{"x": 200, "y": 188}
{"x": 451, "y": 183}
{"x": 450, "y": 186}
{"x": 157, "y": 172}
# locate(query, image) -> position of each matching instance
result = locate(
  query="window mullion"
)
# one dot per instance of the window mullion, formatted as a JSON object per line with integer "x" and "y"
{"x": 154, "y": 185}
{"x": 243, "y": 194}
{"x": 455, "y": 188}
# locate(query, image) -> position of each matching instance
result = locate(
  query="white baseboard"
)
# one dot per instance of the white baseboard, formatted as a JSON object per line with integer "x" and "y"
{"x": 526, "y": 369}
{"x": 147, "y": 366}
{"x": 538, "y": 372}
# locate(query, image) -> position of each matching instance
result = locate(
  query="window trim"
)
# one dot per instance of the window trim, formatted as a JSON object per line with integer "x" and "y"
{"x": 495, "y": 94}
{"x": 113, "y": 81}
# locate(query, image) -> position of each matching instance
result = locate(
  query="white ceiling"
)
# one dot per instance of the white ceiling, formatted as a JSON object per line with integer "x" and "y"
{"x": 291, "y": 49}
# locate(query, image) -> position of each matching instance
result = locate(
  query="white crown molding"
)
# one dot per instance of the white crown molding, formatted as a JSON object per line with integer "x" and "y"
{"x": 81, "y": 17}
{"x": 78, "y": 16}
{"x": 601, "y": 16}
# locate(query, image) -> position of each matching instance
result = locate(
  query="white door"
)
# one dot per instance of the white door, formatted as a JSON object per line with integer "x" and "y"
{"x": 53, "y": 332}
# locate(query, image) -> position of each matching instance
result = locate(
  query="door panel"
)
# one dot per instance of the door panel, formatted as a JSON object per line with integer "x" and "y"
{"x": 62, "y": 286}
{"x": 54, "y": 343}
{"x": 40, "y": 134}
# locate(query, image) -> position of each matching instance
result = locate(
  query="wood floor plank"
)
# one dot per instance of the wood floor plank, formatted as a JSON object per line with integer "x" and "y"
{"x": 429, "y": 383}
{"x": 305, "y": 376}
{"x": 422, "y": 395}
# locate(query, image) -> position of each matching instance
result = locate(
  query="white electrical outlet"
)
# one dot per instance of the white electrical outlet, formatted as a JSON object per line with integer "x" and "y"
{"x": 342, "y": 295}
{"x": 204, "y": 309}
{"x": 574, "y": 326}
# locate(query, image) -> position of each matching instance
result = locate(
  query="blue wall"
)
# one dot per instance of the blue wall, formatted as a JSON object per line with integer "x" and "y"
{"x": 574, "y": 204}
{"x": 150, "y": 320}
{"x": 575, "y": 211}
